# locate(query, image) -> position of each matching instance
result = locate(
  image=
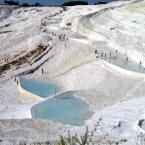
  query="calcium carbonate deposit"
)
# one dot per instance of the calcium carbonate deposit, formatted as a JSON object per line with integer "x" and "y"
{"x": 95, "y": 53}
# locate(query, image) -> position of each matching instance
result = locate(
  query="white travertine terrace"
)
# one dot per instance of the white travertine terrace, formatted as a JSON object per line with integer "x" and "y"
{"x": 116, "y": 95}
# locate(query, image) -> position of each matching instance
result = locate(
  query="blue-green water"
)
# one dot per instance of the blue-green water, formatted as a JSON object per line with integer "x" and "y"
{"x": 64, "y": 108}
{"x": 130, "y": 65}
{"x": 41, "y": 88}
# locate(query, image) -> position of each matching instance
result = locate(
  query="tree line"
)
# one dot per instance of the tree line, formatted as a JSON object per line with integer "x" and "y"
{"x": 16, "y": 3}
{"x": 69, "y": 3}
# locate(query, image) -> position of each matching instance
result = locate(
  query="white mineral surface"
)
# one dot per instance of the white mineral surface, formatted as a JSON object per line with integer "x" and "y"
{"x": 115, "y": 95}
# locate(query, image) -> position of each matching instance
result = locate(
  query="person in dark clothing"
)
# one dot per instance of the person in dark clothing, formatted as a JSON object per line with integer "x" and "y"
{"x": 96, "y": 51}
{"x": 139, "y": 64}
{"x": 126, "y": 60}
{"x": 101, "y": 54}
{"x": 110, "y": 54}
{"x": 17, "y": 82}
{"x": 42, "y": 71}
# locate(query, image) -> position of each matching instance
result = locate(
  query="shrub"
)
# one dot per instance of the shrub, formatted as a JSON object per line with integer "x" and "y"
{"x": 75, "y": 140}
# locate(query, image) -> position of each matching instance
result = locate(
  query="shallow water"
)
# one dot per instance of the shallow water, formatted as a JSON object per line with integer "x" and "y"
{"x": 64, "y": 108}
{"x": 130, "y": 65}
{"x": 40, "y": 88}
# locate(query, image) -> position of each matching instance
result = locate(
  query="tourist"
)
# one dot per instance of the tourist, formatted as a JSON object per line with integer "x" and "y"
{"x": 6, "y": 60}
{"x": 126, "y": 60}
{"x": 42, "y": 71}
{"x": 101, "y": 54}
{"x": 139, "y": 64}
{"x": 110, "y": 54}
{"x": 96, "y": 51}
{"x": 17, "y": 82}
{"x": 59, "y": 37}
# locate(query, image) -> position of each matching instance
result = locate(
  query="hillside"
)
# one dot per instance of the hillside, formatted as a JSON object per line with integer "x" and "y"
{"x": 95, "y": 51}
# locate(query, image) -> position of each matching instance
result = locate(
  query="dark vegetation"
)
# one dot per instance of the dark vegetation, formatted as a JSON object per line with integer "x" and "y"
{"x": 75, "y": 140}
{"x": 87, "y": 139}
{"x": 16, "y": 3}
{"x": 99, "y": 3}
{"x": 73, "y": 3}
{"x": 11, "y": 2}
{"x": 33, "y": 5}
{"x": 69, "y": 3}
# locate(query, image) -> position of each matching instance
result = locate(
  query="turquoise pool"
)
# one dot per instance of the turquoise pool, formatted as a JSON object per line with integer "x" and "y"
{"x": 64, "y": 108}
{"x": 131, "y": 65}
{"x": 40, "y": 88}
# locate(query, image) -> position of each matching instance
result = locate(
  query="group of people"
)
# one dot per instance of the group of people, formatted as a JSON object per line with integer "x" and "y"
{"x": 61, "y": 36}
{"x": 16, "y": 80}
{"x": 104, "y": 56}
{"x": 101, "y": 54}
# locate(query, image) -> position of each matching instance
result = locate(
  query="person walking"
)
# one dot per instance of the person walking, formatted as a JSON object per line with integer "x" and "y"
{"x": 126, "y": 60}
{"x": 96, "y": 51}
{"x": 140, "y": 64}
{"x": 101, "y": 54}
{"x": 110, "y": 54}
{"x": 110, "y": 57}
{"x": 17, "y": 82}
{"x": 42, "y": 71}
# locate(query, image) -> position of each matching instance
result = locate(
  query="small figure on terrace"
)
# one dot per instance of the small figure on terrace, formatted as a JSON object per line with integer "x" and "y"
{"x": 42, "y": 71}
{"x": 101, "y": 54}
{"x": 96, "y": 51}
{"x": 110, "y": 54}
